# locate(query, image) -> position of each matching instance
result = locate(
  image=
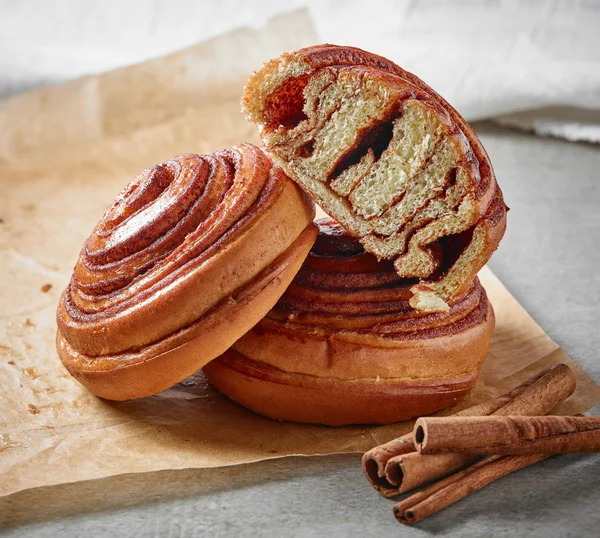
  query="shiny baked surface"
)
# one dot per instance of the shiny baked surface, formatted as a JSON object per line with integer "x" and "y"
{"x": 344, "y": 346}
{"x": 187, "y": 238}
{"x": 343, "y": 289}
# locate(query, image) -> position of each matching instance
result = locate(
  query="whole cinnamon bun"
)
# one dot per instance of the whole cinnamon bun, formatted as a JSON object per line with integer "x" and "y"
{"x": 388, "y": 158}
{"x": 344, "y": 346}
{"x": 192, "y": 253}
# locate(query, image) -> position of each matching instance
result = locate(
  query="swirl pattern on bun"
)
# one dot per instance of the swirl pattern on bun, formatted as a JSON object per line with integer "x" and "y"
{"x": 191, "y": 254}
{"x": 343, "y": 345}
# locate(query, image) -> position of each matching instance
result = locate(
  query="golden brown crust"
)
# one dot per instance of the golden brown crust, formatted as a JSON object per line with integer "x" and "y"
{"x": 154, "y": 368}
{"x": 344, "y": 333}
{"x": 320, "y": 400}
{"x": 188, "y": 238}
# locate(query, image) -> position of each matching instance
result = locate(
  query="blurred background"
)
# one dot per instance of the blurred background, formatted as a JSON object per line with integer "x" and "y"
{"x": 496, "y": 59}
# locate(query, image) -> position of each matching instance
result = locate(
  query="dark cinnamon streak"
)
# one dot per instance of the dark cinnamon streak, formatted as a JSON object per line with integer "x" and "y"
{"x": 321, "y": 56}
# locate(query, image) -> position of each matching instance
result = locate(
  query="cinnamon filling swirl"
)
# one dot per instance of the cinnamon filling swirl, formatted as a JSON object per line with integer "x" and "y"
{"x": 385, "y": 156}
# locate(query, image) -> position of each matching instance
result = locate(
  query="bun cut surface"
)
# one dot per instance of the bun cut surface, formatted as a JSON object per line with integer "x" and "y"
{"x": 388, "y": 158}
{"x": 192, "y": 253}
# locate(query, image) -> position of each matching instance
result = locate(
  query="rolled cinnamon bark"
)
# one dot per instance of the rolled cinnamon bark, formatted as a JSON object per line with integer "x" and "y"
{"x": 459, "y": 485}
{"x": 375, "y": 460}
{"x": 507, "y": 435}
{"x": 411, "y": 470}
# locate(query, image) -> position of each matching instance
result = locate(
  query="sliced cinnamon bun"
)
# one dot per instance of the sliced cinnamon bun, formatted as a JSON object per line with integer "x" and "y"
{"x": 388, "y": 158}
{"x": 193, "y": 252}
{"x": 344, "y": 346}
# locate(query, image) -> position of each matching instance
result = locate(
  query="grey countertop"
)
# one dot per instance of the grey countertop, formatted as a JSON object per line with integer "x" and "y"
{"x": 548, "y": 260}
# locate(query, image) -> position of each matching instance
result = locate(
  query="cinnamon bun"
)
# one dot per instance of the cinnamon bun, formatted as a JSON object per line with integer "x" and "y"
{"x": 388, "y": 158}
{"x": 344, "y": 346}
{"x": 193, "y": 252}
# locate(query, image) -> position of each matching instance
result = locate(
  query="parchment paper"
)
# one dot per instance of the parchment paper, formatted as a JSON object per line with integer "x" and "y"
{"x": 65, "y": 152}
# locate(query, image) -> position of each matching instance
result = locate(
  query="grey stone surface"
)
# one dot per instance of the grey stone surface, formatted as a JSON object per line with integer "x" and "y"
{"x": 550, "y": 255}
{"x": 548, "y": 259}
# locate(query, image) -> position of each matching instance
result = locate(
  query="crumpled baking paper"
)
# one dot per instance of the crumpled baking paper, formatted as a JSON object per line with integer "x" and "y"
{"x": 65, "y": 152}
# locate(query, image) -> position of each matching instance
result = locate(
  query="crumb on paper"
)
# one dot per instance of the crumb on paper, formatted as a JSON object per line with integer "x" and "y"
{"x": 6, "y": 442}
{"x": 31, "y": 371}
{"x": 46, "y": 288}
{"x": 33, "y": 410}
{"x": 12, "y": 362}
{"x": 28, "y": 323}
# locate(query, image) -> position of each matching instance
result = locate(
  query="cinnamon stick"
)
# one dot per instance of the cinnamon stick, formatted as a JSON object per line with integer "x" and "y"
{"x": 375, "y": 460}
{"x": 507, "y": 435}
{"x": 411, "y": 470}
{"x": 459, "y": 485}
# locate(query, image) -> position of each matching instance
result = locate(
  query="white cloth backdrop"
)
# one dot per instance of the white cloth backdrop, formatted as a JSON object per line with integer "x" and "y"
{"x": 531, "y": 64}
